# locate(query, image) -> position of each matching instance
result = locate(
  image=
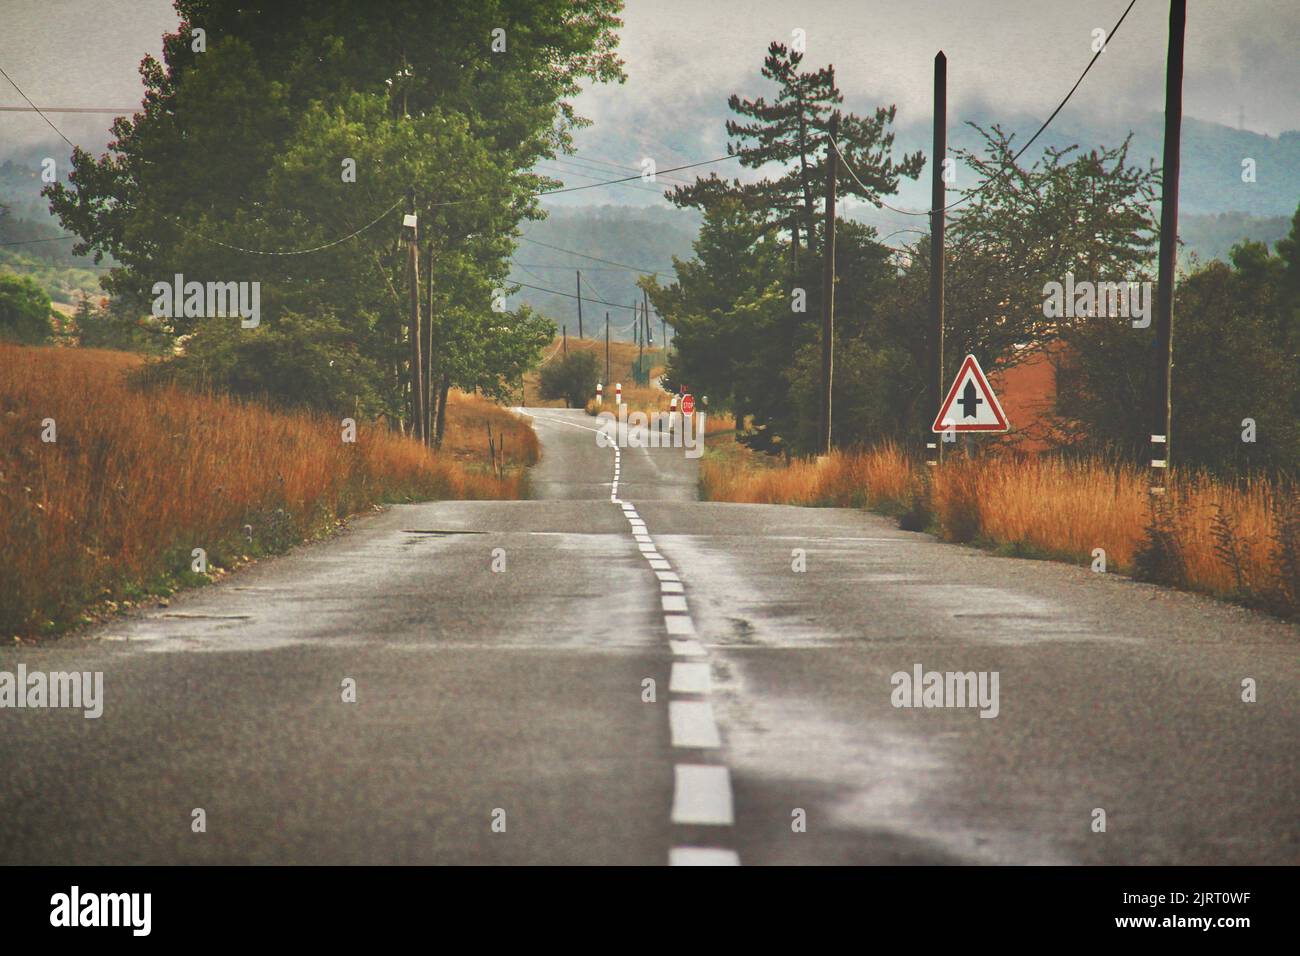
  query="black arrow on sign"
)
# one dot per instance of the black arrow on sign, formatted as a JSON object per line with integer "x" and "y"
{"x": 970, "y": 400}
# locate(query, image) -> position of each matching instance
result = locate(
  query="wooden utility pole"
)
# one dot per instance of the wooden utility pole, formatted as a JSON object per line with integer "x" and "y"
{"x": 430, "y": 406}
{"x": 934, "y": 392}
{"x": 1162, "y": 411}
{"x": 579, "y": 271}
{"x": 565, "y": 340}
{"x": 828, "y": 292}
{"x": 645, "y": 311}
{"x": 606, "y": 348}
{"x": 413, "y": 328}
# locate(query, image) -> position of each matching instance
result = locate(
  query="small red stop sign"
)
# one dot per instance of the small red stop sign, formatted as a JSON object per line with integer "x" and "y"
{"x": 688, "y": 404}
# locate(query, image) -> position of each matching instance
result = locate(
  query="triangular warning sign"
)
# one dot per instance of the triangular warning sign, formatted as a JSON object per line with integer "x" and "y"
{"x": 971, "y": 405}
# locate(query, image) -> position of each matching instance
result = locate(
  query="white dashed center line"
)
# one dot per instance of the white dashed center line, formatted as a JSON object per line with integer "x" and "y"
{"x": 701, "y": 789}
{"x": 687, "y": 649}
{"x": 692, "y": 724}
{"x": 690, "y": 677}
{"x": 702, "y": 795}
{"x": 702, "y": 856}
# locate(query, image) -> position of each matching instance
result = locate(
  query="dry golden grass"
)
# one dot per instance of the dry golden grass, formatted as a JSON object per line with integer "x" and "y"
{"x": 622, "y": 355}
{"x": 466, "y": 435}
{"x": 136, "y": 479}
{"x": 838, "y": 480}
{"x": 1041, "y": 506}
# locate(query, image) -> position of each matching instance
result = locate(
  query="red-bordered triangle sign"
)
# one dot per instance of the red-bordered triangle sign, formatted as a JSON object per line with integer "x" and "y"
{"x": 971, "y": 405}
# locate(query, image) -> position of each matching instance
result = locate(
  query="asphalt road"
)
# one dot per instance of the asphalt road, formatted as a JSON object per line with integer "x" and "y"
{"x": 501, "y": 716}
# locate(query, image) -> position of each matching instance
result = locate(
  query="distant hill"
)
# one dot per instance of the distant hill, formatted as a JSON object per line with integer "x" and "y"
{"x": 1212, "y": 155}
{"x": 646, "y": 238}
{"x": 1217, "y": 209}
{"x": 1211, "y": 160}
{"x": 1213, "y": 236}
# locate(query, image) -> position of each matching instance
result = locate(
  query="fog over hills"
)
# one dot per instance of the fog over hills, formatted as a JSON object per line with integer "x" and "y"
{"x": 1010, "y": 62}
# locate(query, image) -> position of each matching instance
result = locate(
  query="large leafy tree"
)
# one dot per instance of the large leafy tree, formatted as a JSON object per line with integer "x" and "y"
{"x": 240, "y": 145}
{"x": 1232, "y": 361}
{"x": 1086, "y": 214}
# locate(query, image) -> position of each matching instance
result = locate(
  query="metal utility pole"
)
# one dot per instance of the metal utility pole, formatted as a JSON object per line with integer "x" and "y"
{"x": 606, "y": 347}
{"x": 413, "y": 330}
{"x": 1162, "y": 411}
{"x": 640, "y": 341}
{"x": 828, "y": 292}
{"x": 579, "y": 271}
{"x": 933, "y": 442}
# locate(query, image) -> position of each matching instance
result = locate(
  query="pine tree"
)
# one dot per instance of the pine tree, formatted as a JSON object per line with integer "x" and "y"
{"x": 792, "y": 130}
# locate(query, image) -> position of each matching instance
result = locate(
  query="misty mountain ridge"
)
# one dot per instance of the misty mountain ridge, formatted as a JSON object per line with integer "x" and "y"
{"x": 1212, "y": 153}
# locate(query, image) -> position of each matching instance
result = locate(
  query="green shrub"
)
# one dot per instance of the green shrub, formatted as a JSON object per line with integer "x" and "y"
{"x": 572, "y": 377}
{"x": 24, "y": 311}
{"x": 293, "y": 362}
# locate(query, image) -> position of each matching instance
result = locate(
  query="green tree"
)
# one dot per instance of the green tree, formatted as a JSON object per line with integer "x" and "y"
{"x": 571, "y": 377}
{"x": 120, "y": 325}
{"x": 24, "y": 311}
{"x": 297, "y": 362}
{"x": 1231, "y": 363}
{"x": 415, "y": 95}
{"x": 1086, "y": 214}
{"x": 719, "y": 328}
{"x": 792, "y": 130}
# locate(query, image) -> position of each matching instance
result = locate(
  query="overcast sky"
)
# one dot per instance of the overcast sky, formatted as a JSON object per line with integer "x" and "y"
{"x": 1017, "y": 56}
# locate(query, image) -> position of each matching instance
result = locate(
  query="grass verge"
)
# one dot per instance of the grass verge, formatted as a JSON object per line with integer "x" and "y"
{"x": 1237, "y": 541}
{"x": 111, "y": 510}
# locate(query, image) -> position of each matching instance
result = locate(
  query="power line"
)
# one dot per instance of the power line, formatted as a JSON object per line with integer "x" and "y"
{"x": 36, "y": 108}
{"x": 595, "y": 164}
{"x": 114, "y": 110}
{"x": 27, "y": 242}
{"x": 586, "y": 174}
{"x": 849, "y": 169}
{"x": 583, "y": 255}
{"x": 980, "y": 188}
{"x": 292, "y": 252}
{"x": 1110, "y": 36}
{"x": 625, "y": 179}
{"x": 593, "y": 285}
{"x": 552, "y": 265}
{"x": 299, "y": 252}
{"x": 571, "y": 295}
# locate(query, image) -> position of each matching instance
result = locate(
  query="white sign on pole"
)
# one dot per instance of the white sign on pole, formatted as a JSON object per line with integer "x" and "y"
{"x": 971, "y": 405}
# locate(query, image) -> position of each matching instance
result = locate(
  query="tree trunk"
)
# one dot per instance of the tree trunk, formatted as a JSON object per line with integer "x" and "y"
{"x": 442, "y": 409}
